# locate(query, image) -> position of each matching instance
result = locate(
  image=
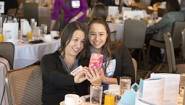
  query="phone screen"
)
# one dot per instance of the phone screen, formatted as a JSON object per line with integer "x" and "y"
{"x": 96, "y": 60}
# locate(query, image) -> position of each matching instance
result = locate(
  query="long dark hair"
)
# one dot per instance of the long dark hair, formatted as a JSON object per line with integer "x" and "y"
{"x": 99, "y": 10}
{"x": 67, "y": 34}
{"x": 172, "y": 5}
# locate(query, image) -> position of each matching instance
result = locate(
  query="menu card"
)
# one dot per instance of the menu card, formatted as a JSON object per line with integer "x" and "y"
{"x": 128, "y": 98}
{"x": 1, "y": 7}
{"x": 152, "y": 89}
{"x": 171, "y": 87}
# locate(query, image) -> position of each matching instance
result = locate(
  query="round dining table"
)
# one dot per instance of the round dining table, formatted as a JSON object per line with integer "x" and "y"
{"x": 27, "y": 54}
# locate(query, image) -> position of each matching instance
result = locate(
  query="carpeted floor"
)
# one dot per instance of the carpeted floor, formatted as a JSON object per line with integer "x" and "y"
{"x": 157, "y": 68}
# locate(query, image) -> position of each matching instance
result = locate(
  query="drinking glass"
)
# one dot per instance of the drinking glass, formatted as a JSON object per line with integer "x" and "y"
{"x": 1, "y": 35}
{"x": 96, "y": 94}
{"x": 32, "y": 22}
{"x": 43, "y": 29}
{"x": 37, "y": 33}
{"x": 125, "y": 83}
{"x": 109, "y": 99}
{"x": 29, "y": 35}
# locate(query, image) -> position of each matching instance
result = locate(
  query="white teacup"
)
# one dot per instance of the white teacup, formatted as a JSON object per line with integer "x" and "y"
{"x": 72, "y": 99}
{"x": 54, "y": 33}
{"x": 47, "y": 38}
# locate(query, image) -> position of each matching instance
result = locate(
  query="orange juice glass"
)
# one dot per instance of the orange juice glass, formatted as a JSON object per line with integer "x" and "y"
{"x": 109, "y": 99}
{"x": 146, "y": 19}
{"x": 1, "y": 38}
{"x": 29, "y": 35}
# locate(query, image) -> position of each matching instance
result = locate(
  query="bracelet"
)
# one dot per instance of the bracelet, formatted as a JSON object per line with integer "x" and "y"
{"x": 76, "y": 17}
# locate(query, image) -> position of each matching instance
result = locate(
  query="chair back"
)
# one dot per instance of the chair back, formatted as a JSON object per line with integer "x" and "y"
{"x": 161, "y": 12}
{"x": 12, "y": 11}
{"x": 183, "y": 44}
{"x": 47, "y": 20}
{"x": 7, "y": 51}
{"x": 30, "y": 10}
{"x": 24, "y": 86}
{"x": 170, "y": 52}
{"x": 177, "y": 33}
{"x": 141, "y": 6}
{"x": 135, "y": 68}
{"x": 134, "y": 33}
{"x": 113, "y": 35}
{"x": 44, "y": 12}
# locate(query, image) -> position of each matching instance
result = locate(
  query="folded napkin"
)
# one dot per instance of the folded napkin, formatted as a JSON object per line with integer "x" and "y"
{"x": 36, "y": 41}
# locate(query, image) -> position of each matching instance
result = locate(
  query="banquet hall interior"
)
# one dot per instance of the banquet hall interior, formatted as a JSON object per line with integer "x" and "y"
{"x": 23, "y": 53}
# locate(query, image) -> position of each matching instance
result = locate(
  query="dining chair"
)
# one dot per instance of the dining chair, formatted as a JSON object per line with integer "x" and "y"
{"x": 141, "y": 6}
{"x": 135, "y": 68}
{"x": 24, "y": 86}
{"x": 176, "y": 36}
{"x": 173, "y": 68}
{"x": 183, "y": 44}
{"x": 113, "y": 35}
{"x": 7, "y": 51}
{"x": 30, "y": 10}
{"x": 134, "y": 35}
{"x": 12, "y": 11}
{"x": 47, "y": 21}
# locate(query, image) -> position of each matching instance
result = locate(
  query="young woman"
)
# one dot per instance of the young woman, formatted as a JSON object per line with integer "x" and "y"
{"x": 56, "y": 67}
{"x": 117, "y": 58}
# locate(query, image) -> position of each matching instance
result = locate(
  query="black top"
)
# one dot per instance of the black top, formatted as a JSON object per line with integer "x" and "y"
{"x": 124, "y": 65}
{"x": 56, "y": 81}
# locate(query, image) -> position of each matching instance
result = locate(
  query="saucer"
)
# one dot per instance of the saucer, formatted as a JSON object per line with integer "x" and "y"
{"x": 63, "y": 103}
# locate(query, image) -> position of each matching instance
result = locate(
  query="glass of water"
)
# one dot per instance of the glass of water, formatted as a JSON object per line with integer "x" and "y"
{"x": 96, "y": 94}
{"x": 43, "y": 29}
{"x": 125, "y": 83}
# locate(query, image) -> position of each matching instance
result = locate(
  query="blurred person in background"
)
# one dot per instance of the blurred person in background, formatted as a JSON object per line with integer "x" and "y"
{"x": 74, "y": 10}
{"x": 163, "y": 26}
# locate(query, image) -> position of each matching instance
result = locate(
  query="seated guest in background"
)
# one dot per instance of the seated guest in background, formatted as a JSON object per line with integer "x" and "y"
{"x": 99, "y": 40}
{"x": 166, "y": 23}
{"x": 76, "y": 12}
{"x": 99, "y": 10}
{"x": 56, "y": 67}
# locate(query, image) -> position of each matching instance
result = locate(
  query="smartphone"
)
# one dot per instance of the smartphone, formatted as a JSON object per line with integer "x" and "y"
{"x": 96, "y": 60}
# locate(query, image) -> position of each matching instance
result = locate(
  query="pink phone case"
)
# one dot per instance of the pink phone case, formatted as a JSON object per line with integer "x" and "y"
{"x": 96, "y": 60}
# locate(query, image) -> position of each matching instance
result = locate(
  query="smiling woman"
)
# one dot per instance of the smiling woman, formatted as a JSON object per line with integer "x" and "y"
{"x": 117, "y": 59}
{"x": 57, "y": 67}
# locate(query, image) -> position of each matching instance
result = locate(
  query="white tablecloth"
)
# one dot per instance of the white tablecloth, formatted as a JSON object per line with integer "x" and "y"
{"x": 119, "y": 27}
{"x": 27, "y": 54}
{"x": 3, "y": 70}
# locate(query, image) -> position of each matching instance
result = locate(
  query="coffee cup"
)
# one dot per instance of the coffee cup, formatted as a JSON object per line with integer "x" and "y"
{"x": 47, "y": 38}
{"x": 54, "y": 33}
{"x": 72, "y": 99}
